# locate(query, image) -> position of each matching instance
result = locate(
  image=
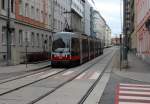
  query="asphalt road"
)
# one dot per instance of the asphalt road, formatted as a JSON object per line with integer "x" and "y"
{"x": 109, "y": 94}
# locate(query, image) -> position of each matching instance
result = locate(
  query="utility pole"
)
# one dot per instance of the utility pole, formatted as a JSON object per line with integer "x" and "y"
{"x": 26, "y": 50}
{"x": 120, "y": 52}
{"x": 8, "y": 36}
{"x": 53, "y": 18}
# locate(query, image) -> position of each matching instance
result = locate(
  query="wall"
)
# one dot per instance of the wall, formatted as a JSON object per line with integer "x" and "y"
{"x": 87, "y": 18}
{"x": 143, "y": 35}
{"x": 62, "y": 14}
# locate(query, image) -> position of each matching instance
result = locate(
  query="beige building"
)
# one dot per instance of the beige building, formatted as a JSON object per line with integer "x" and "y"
{"x": 142, "y": 29}
{"x": 62, "y": 14}
{"x": 108, "y": 36}
{"x": 31, "y": 27}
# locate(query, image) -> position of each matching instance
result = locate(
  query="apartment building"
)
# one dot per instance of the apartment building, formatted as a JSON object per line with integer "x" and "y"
{"x": 98, "y": 28}
{"x": 87, "y": 17}
{"x": 108, "y": 36}
{"x": 77, "y": 15}
{"x": 33, "y": 22}
{"x": 3, "y": 27}
{"x": 31, "y": 25}
{"x": 143, "y": 33}
{"x": 133, "y": 37}
{"x": 126, "y": 22}
{"x": 129, "y": 24}
{"x": 62, "y": 15}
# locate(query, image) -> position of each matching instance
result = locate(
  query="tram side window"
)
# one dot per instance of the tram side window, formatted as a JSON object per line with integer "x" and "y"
{"x": 75, "y": 47}
{"x": 84, "y": 46}
{"x": 91, "y": 46}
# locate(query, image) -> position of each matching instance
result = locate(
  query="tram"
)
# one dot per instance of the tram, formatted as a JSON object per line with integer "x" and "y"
{"x": 70, "y": 49}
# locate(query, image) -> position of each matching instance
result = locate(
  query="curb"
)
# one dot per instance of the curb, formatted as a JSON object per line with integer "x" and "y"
{"x": 129, "y": 77}
{"x": 27, "y": 70}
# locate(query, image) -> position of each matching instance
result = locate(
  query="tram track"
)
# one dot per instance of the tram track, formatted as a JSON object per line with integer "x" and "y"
{"x": 66, "y": 82}
{"x": 23, "y": 75}
{"x": 56, "y": 88}
{"x": 83, "y": 99}
{"x": 17, "y": 88}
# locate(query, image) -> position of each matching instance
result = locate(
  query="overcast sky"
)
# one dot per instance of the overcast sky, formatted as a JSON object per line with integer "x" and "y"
{"x": 110, "y": 10}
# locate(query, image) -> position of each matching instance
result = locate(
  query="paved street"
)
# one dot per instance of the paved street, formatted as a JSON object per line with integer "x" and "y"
{"x": 74, "y": 51}
{"x": 49, "y": 86}
{"x": 110, "y": 94}
{"x": 136, "y": 74}
{"x": 97, "y": 81}
{"x": 7, "y": 72}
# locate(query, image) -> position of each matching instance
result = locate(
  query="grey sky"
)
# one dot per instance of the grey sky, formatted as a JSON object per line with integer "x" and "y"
{"x": 110, "y": 10}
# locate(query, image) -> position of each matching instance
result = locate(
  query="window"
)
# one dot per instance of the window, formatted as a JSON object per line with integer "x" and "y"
{"x": 42, "y": 16}
{"x": 27, "y": 10}
{"x": 13, "y": 38}
{"x": 61, "y": 26}
{"x": 37, "y": 13}
{"x": 42, "y": 41}
{"x": 55, "y": 23}
{"x": 20, "y": 7}
{"x": 32, "y": 12}
{"x": 3, "y": 35}
{"x": 50, "y": 42}
{"x": 32, "y": 39}
{"x": 3, "y": 4}
{"x": 58, "y": 25}
{"x": 38, "y": 40}
{"x": 45, "y": 42}
{"x": 49, "y": 20}
{"x": 20, "y": 37}
{"x": 12, "y": 6}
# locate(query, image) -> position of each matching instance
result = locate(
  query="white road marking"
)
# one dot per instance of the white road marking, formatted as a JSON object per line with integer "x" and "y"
{"x": 131, "y": 103}
{"x": 134, "y": 92}
{"x": 80, "y": 76}
{"x": 95, "y": 75}
{"x": 36, "y": 74}
{"x": 134, "y": 88}
{"x": 133, "y": 85}
{"x": 68, "y": 73}
{"x": 134, "y": 98}
{"x": 142, "y": 93}
{"x": 49, "y": 74}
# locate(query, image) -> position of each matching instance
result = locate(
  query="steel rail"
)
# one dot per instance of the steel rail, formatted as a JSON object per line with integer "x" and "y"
{"x": 64, "y": 83}
{"x": 83, "y": 99}
{"x": 25, "y": 85}
{"x": 24, "y": 75}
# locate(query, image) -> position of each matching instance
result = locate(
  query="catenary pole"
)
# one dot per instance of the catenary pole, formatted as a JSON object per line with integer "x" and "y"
{"x": 8, "y": 36}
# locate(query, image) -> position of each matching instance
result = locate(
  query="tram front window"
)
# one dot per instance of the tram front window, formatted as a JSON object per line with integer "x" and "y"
{"x": 61, "y": 43}
{"x": 61, "y": 50}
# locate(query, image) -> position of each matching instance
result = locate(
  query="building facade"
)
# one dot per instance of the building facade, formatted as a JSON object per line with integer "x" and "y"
{"x": 129, "y": 24}
{"x": 126, "y": 22}
{"x": 98, "y": 25}
{"x": 87, "y": 18}
{"x": 33, "y": 22}
{"x": 115, "y": 41}
{"x": 77, "y": 15}
{"x": 31, "y": 28}
{"x": 62, "y": 14}
{"x": 143, "y": 35}
{"x": 108, "y": 36}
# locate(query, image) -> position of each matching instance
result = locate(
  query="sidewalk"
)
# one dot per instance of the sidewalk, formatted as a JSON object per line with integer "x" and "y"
{"x": 138, "y": 69}
{"x": 22, "y": 67}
